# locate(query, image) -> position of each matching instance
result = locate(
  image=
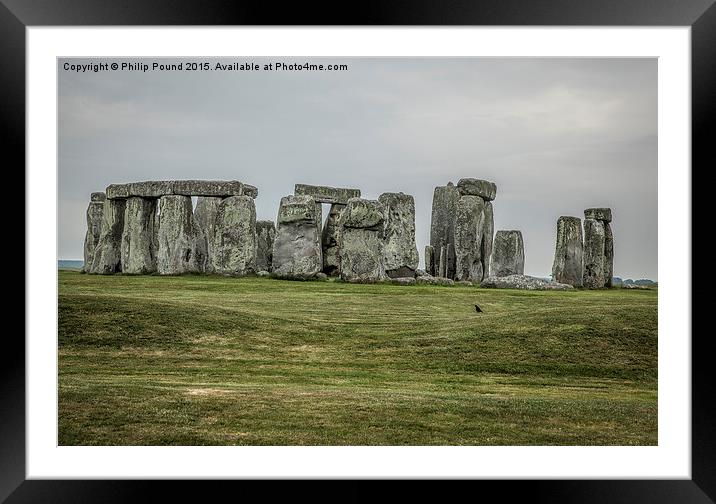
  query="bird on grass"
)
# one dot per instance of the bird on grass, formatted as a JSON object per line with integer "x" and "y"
{"x": 477, "y": 309}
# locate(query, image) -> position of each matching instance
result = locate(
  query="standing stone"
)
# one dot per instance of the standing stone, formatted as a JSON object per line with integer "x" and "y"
{"x": 265, "y": 235}
{"x": 94, "y": 228}
{"x": 442, "y": 263}
{"x": 139, "y": 248}
{"x": 594, "y": 241}
{"x": 207, "y": 208}
{"x": 234, "y": 240}
{"x": 568, "y": 254}
{"x": 362, "y": 241}
{"x": 401, "y": 252}
{"x": 179, "y": 239}
{"x": 442, "y": 222}
{"x": 108, "y": 253}
{"x": 297, "y": 247}
{"x": 469, "y": 239}
{"x": 331, "y": 255}
{"x": 430, "y": 260}
{"x": 488, "y": 232}
{"x": 508, "y": 254}
{"x": 608, "y": 255}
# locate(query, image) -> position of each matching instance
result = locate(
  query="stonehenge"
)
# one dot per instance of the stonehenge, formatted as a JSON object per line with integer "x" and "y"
{"x": 152, "y": 227}
{"x": 569, "y": 252}
{"x": 508, "y": 254}
{"x": 461, "y": 230}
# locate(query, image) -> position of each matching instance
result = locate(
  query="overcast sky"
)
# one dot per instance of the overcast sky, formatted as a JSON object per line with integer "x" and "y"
{"x": 556, "y": 136}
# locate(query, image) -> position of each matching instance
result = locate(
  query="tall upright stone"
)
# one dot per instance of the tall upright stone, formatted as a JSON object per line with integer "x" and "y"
{"x": 508, "y": 254}
{"x": 469, "y": 239}
{"x": 179, "y": 249}
{"x": 362, "y": 241}
{"x": 488, "y": 232}
{"x": 205, "y": 212}
{"x": 297, "y": 247}
{"x": 442, "y": 222}
{"x": 569, "y": 251}
{"x": 598, "y": 248}
{"x": 94, "y": 228}
{"x": 234, "y": 241}
{"x": 108, "y": 253}
{"x": 401, "y": 252}
{"x": 139, "y": 246}
{"x": 331, "y": 229}
{"x": 265, "y": 236}
{"x": 430, "y": 260}
{"x": 594, "y": 240}
{"x": 608, "y": 255}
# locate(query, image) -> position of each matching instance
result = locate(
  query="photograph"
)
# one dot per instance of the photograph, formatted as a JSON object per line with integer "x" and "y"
{"x": 357, "y": 251}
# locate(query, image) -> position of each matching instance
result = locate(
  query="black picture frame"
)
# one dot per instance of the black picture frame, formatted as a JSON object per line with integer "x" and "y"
{"x": 700, "y": 15}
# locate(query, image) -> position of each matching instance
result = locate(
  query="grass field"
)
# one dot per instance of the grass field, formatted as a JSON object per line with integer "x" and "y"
{"x": 220, "y": 361}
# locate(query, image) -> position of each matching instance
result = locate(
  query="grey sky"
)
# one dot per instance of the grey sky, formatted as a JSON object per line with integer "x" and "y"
{"x": 556, "y": 135}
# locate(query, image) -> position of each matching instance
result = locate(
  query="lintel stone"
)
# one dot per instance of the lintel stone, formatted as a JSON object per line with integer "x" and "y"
{"x": 325, "y": 194}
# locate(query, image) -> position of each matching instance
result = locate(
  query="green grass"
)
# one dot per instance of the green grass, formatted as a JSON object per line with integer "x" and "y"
{"x": 221, "y": 361}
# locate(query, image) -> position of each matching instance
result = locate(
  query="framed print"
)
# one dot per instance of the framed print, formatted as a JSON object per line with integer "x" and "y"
{"x": 435, "y": 244}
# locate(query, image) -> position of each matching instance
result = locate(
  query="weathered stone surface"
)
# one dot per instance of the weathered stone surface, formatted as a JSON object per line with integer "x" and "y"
{"x": 329, "y": 239}
{"x": 321, "y": 276}
{"x": 401, "y": 252}
{"x": 469, "y": 239}
{"x": 594, "y": 240}
{"x": 568, "y": 254}
{"x": 608, "y": 255}
{"x": 234, "y": 241}
{"x": 361, "y": 241}
{"x": 94, "y": 229}
{"x": 634, "y": 286}
{"x": 464, "y": 283}
{"x": 442, "y": 225}
{"x": 205, "y": 212}
{"x": 180, "y": 241}
{"x": 263, "y": 273}
{"x": 159, "y": 188}
{"x": 442, "y": 262}
{"x": 523, "y": 282}
{"x": 139, "y": 246}
{"x": 265, "y": 235}
{"x": 488, "y": 232}
{"x": 325, "y": 194}
{"x": 363, "y": 214}
{"x": 602, "y": 214}
{"x": 508, "y": 254}
{"x": 431, "y": 280}
{"x": 297, "y": 246}
{"x": 403, "y": 281}
{"x": 429, "y": 260}
{"x": 108, "y": 253}
{"x": 476, "y": 187}
{"x": 98, "y": 197}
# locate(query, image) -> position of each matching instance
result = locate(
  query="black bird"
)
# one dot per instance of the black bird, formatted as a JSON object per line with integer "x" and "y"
{"x": 477, "y": 309}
